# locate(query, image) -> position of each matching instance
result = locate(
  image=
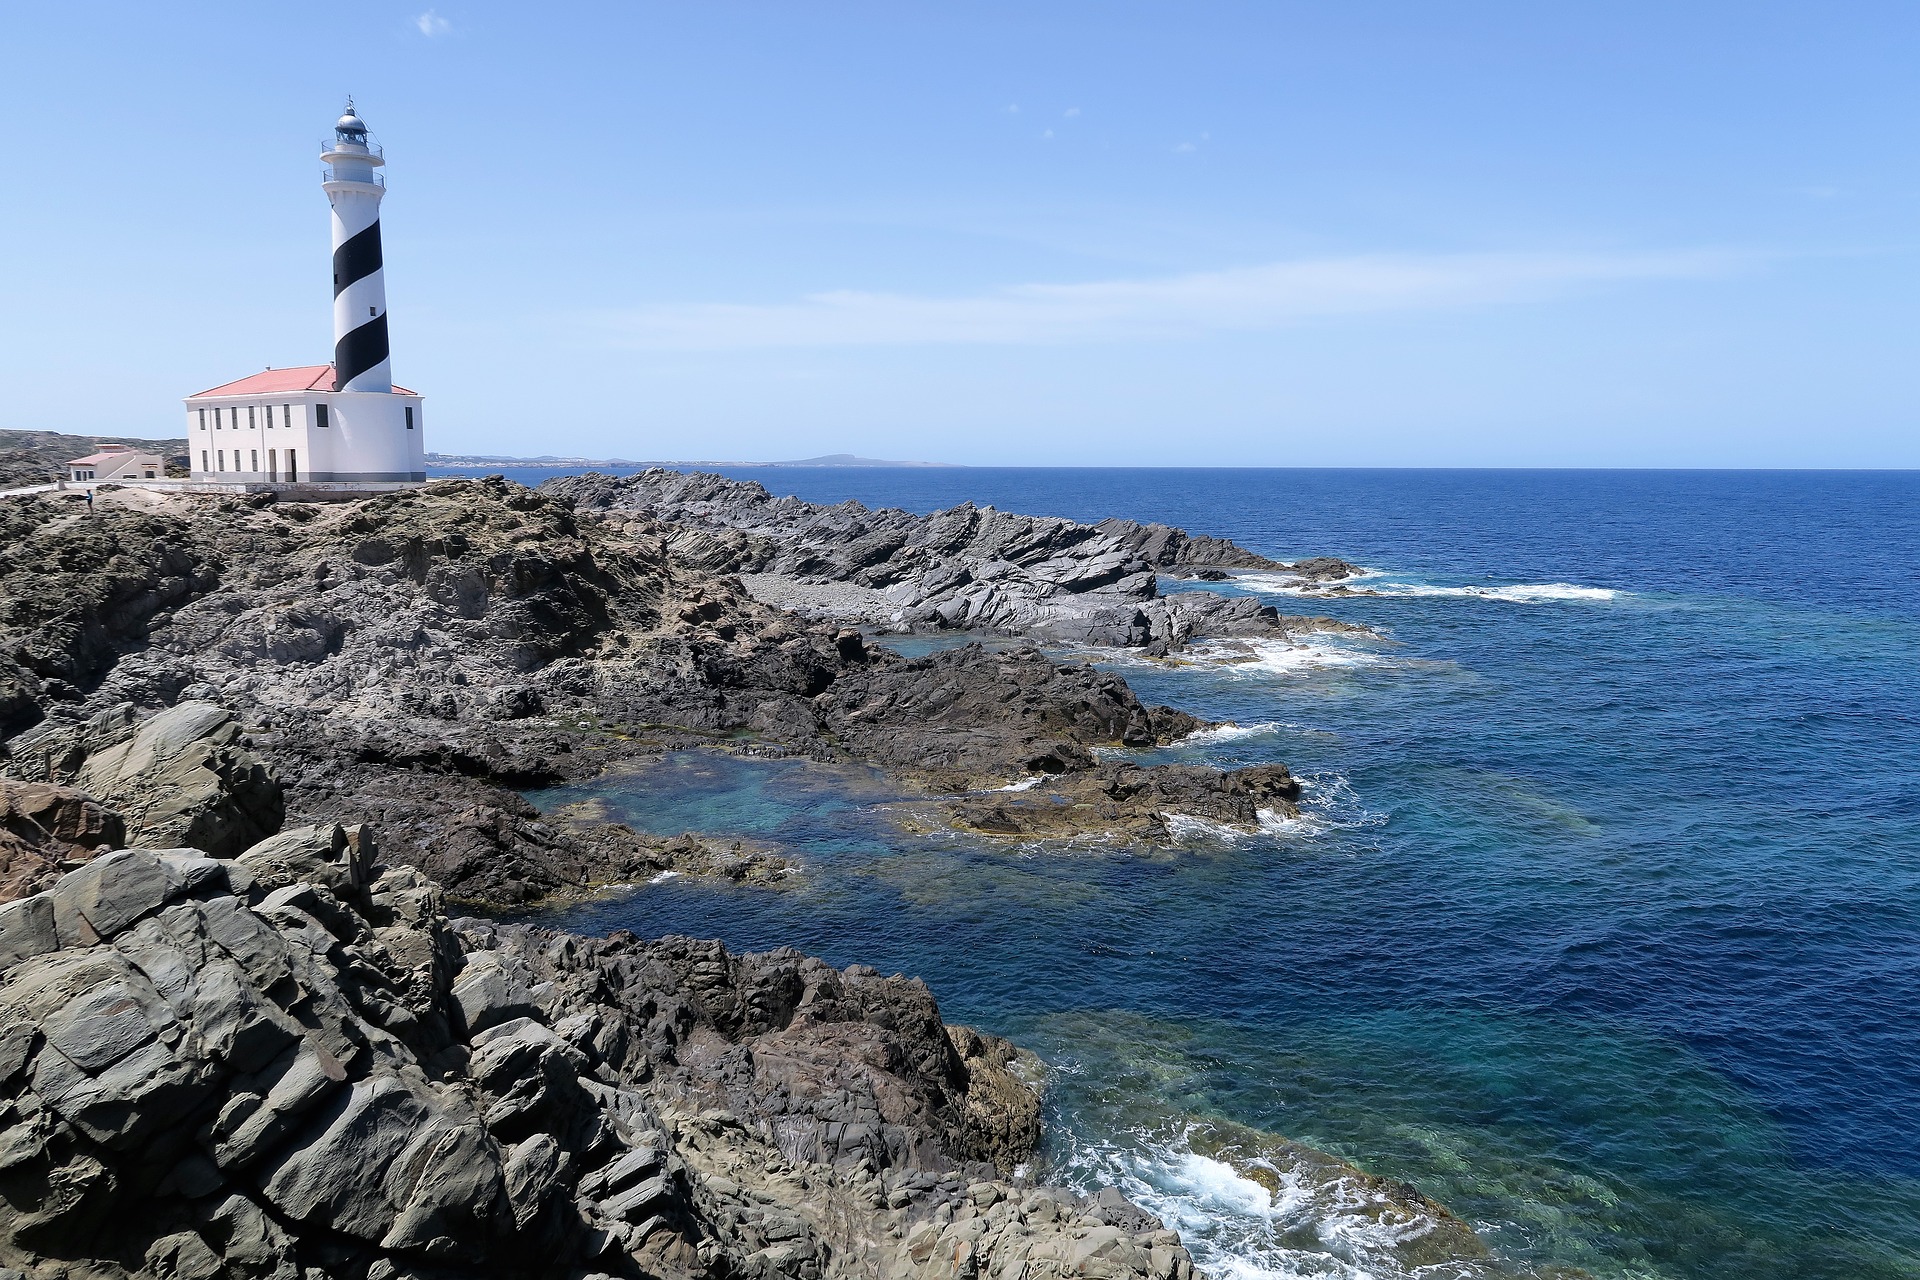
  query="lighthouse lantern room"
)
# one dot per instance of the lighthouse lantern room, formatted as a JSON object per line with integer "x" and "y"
{"x": 340, "y": 425}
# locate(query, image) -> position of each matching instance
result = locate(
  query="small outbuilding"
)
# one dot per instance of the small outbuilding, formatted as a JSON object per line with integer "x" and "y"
{"x": 117, "y": 462}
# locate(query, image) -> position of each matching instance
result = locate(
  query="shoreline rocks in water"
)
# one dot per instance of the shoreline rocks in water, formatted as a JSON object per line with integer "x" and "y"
{"x": 255, "y": 1048}
{"x": 1147, "y": 806}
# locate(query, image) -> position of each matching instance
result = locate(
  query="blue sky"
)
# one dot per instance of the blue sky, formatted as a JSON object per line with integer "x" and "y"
{"x": 1581, "y": 234}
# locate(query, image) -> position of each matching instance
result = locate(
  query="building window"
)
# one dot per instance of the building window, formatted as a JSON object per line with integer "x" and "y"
{"x": 319, "y": 415}
{"x": 203, "y": 461}
{"x": 203, "y": 419}
{"x": 250, "y": 421}
{"x": 220, "y": 456}
{"x": 293, "y": 467}
{"x": 273, "y": 464}
{"x": 409, "y": 417}
{"x": 253, "y": 459}
{"x": 286, "y": 415}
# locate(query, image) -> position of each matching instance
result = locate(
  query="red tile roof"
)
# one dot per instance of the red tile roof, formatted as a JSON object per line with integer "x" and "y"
{"x": 307, "y": 377}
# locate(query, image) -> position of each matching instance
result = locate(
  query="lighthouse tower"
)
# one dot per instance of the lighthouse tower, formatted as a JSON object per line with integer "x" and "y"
{"x": 341, "y": 427}
{"x": 361, "y": 361}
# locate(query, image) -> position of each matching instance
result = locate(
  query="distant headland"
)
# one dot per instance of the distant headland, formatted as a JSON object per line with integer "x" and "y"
{"x": 548, "y": 460}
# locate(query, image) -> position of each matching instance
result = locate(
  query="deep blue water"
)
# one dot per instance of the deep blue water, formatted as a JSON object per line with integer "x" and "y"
{"x": 1603, "y": 927}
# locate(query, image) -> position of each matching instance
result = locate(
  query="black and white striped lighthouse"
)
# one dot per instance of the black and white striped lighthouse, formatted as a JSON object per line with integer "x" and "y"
{"x": 343, "y": 426}
{"x": 361, "y": 361}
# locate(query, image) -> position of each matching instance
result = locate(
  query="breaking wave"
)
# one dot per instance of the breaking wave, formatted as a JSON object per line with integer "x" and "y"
{"x": 1187, "y": 828}
{"x": 1229, "y": 733}
{"x": 1280, "y": 657}
{"x": 1276, "y": 1218}
{"x": 1328, "y": 802}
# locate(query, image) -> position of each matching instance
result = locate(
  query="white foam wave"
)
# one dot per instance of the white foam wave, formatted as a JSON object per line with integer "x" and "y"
{"x": 1280, "y": 657}
{"x": 1229, "y": 733}
{"x": 1268, "y": 583}
{"x": 1187, "y": 828}
{"x": 1328, "y": 802}
{"x": 663, "y": 877}
{"x": 1237, "y": 1227}
{"x": 1517, "y": 593}
{"x": 1275, "y": 823}
{"x": 1025, "y": 784}
{"x": 1271, "y": 584}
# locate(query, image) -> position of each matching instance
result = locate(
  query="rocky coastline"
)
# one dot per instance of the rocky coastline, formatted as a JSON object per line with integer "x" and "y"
{"x": 256, "y": 758}
{"x": 969, "y": 567}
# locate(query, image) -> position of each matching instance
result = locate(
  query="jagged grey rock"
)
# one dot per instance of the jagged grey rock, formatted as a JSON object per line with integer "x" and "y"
{"x": 251, "y": 1074}
{"x": 968, "y": 567}
{"x": 181, "y": 777}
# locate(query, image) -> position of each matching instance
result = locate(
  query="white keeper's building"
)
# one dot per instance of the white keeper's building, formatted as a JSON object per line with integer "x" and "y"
{"x": 344, "y": 423}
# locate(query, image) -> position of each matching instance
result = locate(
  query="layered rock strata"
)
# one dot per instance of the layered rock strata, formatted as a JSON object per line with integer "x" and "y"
{"x": 964, "y": 567}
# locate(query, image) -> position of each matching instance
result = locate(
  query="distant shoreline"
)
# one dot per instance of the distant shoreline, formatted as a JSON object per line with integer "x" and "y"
{"x": 547, "y": 460}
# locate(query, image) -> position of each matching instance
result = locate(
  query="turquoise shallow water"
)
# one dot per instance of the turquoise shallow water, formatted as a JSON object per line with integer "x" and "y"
{"x": 1603, "y": 924}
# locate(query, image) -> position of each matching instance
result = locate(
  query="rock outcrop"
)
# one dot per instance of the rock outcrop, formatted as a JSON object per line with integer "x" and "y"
{"x": 1148, "y": 806}
{"x": 181, "y": 777}
{"x": 77, "y": 592}
{"x": 965, "y": 567}
{"x": 292, "y": 1064}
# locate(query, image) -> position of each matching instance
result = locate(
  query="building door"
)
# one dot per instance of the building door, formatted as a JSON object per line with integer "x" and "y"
{"x": 293, "y": 466}
{"x": 273, "y": 465}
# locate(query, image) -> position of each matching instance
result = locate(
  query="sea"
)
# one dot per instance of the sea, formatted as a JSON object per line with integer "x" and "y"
{"x": 1600, "y": 924}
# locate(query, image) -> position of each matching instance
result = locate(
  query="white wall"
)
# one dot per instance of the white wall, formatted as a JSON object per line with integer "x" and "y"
{"x": 366, "y": 438}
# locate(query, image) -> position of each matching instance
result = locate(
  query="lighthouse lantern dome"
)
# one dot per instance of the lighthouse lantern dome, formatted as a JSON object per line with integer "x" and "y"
{"x": 350, "y": 127}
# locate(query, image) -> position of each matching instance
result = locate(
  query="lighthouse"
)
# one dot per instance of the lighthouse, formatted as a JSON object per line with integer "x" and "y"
{"x": 344, "y": 426}
{"x": 361, "y": 361}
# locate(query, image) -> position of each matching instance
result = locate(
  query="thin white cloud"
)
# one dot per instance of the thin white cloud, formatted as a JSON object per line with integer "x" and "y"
{"x": 1168, "y": 307}
{"x": 1071, "y": 112}
{"x": 1047, "y": 134}
{"x": 1185, "y": 148}
{"x": 1012, "y": 108}
{"x": 432, "y": 24}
